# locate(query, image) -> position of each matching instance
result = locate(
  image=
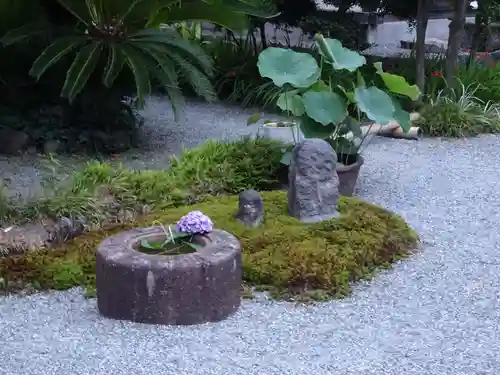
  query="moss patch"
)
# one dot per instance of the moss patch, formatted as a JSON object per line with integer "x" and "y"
{"x": 287, "y": 257}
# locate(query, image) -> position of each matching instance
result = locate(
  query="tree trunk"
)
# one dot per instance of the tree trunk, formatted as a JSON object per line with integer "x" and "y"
{"x": 422, "y": 20}
{"x": 454, "y": 38}
{"x": 480, "y": 32}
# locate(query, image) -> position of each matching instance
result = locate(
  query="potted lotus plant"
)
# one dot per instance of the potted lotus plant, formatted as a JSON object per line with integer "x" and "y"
{"x": 325, "y": 107}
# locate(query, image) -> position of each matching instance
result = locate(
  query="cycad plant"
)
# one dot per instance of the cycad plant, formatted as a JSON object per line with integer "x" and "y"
{"x": 125, "y": 34}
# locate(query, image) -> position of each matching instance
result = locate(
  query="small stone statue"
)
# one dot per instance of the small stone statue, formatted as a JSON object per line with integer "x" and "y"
{"x": 313, "y": 193}
{"x": 251, "y": 208}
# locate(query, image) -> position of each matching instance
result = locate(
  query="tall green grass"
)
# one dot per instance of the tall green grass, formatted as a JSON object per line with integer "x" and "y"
{"x": 459, "y": 112}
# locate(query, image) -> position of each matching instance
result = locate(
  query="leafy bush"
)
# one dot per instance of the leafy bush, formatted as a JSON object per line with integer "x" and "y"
{"x": 485, "y": 78}
{"x": 119, "y": 35}
{"x": 290, "y": 259}
{"x": 331, "y": 107}
{"x": 105, "y": 52}
{"x": 459, "y": 113}
{"x": 97, "y": 121}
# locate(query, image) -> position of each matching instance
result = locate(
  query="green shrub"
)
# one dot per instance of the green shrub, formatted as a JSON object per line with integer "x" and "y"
{"x": 101, "y": 189}
{"x": 459, "y": 113}
{"x": 290, "y": 259}
{"x": 236, "y": 68}
{"x": 485, "y": 79}
{"x": 229, "y": 167}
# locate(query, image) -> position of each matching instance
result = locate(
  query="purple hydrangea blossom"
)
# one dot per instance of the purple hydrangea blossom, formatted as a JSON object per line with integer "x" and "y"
{"x": 195, "y": 222}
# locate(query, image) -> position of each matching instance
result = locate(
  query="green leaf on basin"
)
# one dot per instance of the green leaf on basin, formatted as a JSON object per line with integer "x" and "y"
{"x": 338, "y": 56}
{"x": 313, "y": 129}
{"x": 285, "y": 66}
{"x": 325, "y": 107}
{"x": 291, "y": 102}
{"x": 375, "y": 103}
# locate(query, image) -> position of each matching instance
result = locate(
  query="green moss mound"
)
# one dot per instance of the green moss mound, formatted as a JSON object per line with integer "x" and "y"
{"x": 283, "y": 255}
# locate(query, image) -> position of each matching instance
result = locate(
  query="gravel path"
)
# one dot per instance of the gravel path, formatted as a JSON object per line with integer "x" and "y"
{"x": 24, "y": 175}
{"x": 435, "y": 314}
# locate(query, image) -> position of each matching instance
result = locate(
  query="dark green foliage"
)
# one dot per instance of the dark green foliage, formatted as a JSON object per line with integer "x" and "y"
{"x": 54, "y": 48}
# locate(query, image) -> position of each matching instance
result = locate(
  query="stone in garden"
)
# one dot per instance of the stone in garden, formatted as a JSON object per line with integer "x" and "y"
{"x": 27, "y": 237}
{"x": 193, "y": 288}
{"x": 313, "y": 192}
{"x": 66, "y": 228}
{"x": 12, "y": 141}
{"x": 251, "y": 208}
{"x": 51, "y": 146}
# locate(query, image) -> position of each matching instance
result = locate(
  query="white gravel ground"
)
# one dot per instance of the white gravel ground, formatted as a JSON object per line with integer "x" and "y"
{"x": 24, "y": 175}
{"x": 435, "y": 314}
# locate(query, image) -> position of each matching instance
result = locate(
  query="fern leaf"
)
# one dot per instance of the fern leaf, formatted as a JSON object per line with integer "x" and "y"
{"x": 116, "y": 60}
{"x": 171, "y": 38}
{"x": 164, "y": 71}
{"x": 22, "y": 33}
{"x": 199, "y": 81}
{"x": 53, "y": 53}
{"x": 81, "y": 69}
{"x": 138, "y": 63}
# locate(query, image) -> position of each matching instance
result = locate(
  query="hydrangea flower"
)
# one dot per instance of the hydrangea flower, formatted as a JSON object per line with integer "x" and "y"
{"x": 195, "y": 222}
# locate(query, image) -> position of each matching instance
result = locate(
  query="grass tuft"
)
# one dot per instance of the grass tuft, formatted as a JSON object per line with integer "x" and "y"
{"x": 459, "y": 113}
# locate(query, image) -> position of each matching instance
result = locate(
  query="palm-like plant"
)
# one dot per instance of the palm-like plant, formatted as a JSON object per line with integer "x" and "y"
{"x": 125, "y": 34}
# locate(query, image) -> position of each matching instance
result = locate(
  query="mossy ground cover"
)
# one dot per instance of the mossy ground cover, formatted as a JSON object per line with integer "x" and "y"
{"x": 287, "y": 257}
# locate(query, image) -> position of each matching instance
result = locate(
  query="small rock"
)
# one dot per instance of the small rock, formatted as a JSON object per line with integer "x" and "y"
{"x": 62, "y": 230}
{"x": 12, "y": 141}
{"x": 79, "y": 226}
{"x": 251, "y": 208}
{"x": 51, "y": 146}
{"x": 144, "y": 210}
{"x": 26, "y": 237}
{"x": 313, "y": 192}
{"x": 125, "y": 216}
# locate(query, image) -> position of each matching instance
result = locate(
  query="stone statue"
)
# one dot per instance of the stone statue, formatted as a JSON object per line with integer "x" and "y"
{"x": 251, "y": 208}
{"x": 313, "y": 193}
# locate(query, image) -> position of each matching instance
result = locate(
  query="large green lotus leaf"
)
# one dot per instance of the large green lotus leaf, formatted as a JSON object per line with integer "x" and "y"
{"x": 401, "y": 116}
{"x": 313, "y": 129}
{"x": 338, "y": 56}
{"x": 324, "y": 107}
{"x": 398, "y": 85}
{"x": 285, "y": 66}
{"x": 291, "y": 102}
{"x": 375, "y": 103}
{"x": 319, "y": 86}
{"x": 354, "y": 126}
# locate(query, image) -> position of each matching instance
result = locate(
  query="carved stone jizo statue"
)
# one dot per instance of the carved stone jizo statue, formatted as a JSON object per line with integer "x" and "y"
{"x": 313, "y": 193}
{"x": 251, "y": 208}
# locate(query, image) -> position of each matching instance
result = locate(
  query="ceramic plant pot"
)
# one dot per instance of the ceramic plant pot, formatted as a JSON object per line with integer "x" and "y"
{"x": 348, "y": 176}
{"x": 286, "y": 132}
